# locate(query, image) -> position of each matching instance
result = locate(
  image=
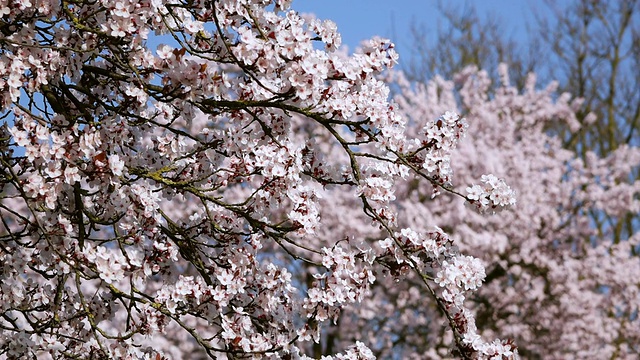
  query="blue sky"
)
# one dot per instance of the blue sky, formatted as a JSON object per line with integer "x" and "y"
{"x": 358, "y": 20}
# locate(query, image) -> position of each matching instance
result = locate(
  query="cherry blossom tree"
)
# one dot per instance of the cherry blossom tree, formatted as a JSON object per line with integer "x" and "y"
{"x": 590, "y": 47}
{"x": 229, "y": 193}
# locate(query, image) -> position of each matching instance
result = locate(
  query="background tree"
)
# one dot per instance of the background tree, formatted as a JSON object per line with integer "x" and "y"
{"x": 591, "y": 46}
{"x": 466, "y": 38}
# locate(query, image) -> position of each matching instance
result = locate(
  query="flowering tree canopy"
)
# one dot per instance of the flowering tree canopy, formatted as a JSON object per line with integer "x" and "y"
{"x": 199, "y": 199}
{"x": 578, "y": 248}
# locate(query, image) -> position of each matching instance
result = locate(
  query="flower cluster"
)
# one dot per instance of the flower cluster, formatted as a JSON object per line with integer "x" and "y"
{"x": 493, "y": 195}
{"x": 462, "y": 273}
{"x": 347, "y": 282}
{"x": 441, "y": 137}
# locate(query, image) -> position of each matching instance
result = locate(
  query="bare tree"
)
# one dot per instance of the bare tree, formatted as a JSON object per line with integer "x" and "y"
{"x": 464, "y": 39}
